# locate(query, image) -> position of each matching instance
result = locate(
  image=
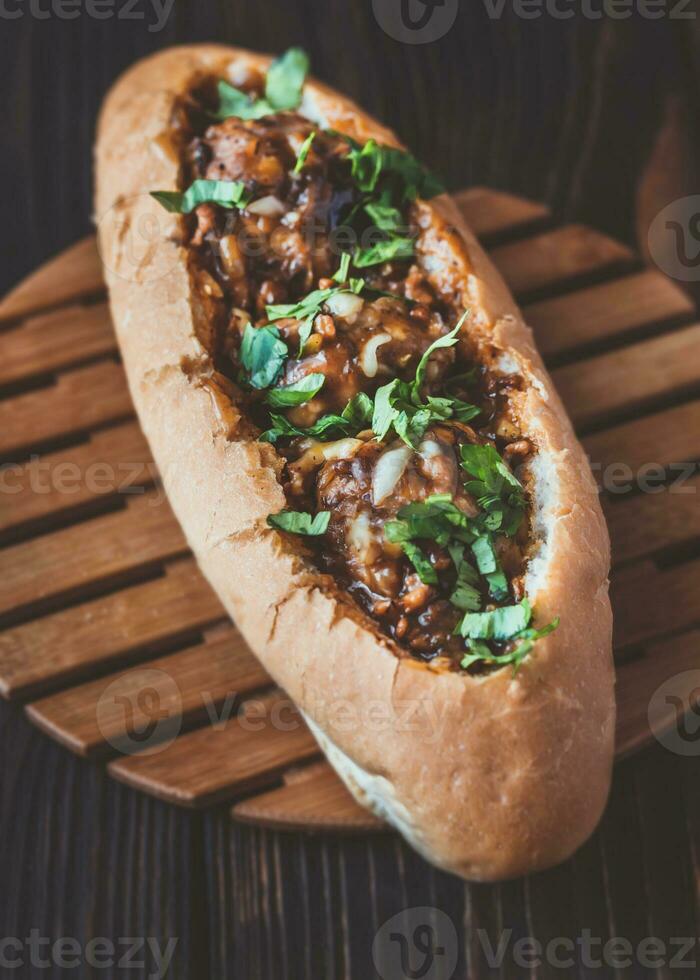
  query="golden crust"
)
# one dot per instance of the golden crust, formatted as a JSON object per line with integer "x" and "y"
{"x": 488, "y": 776}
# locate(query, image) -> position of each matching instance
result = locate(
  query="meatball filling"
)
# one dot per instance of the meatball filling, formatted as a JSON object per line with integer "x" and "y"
{"x": 401, "y": 452}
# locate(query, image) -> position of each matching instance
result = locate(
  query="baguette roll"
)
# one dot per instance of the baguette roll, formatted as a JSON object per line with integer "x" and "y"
{"x": 488, "y": 771}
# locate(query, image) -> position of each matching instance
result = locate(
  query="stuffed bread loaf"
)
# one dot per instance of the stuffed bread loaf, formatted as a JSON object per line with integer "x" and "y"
{"x": 368, "y": 458}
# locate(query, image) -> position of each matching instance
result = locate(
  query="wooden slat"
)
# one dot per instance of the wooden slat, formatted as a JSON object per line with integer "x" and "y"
{"x": 96, "y": 551}
{"x": 490, "y": 212}
{"x": 314, "y": 797}
{"x": 116, "y": 460}
{"x": 72, "y": 275}
{"x": 55, "y": 340}
{"x": 652, "y": 522}
{"x": 637, "y": 682}
{"x": 37, "y": 656}
{"x": 80, "y": 399}
{"x": 672, "y": 436}
{"x": 594, "y": 389}
{"x": 649, "y": 603}
{"x": 555, "y": 257}
{"x": 606, "y": 311}
{"x": 212, "y": 764}
{"x": 188, "y": 684}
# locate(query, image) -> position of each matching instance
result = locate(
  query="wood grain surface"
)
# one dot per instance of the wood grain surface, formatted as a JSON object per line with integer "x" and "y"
{"x": 573, "y": 113}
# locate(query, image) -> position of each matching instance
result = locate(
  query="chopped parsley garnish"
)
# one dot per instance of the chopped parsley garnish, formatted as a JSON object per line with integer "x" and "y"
{"x": 299, "y": 522}
{"x": 296, "y": 393}
{"x": 437, "y": 519}
{"x": 396, "y": 243}
{"x": 304, "y": 152}
{"x": 263, "y": 353}
{"x": 285, "y": 79}
{"x": 283, "y": 89}
{"x": 480, "y": 652}
{"x": 426, "y": 572}
{"x": 387, "y": 179}
{"x": 384, "y": 251}
{"x": 399, "y": 405}
{"x": 355, "y": 417}
{"x": 487, "y": 562}
{"x": 392, "y": 174}
{"x": 501, "y": 623}
{"x": 385, "y": 217}
{"x": 499, "y": 494}
{"x": 341, "y": 273}
{"x": 310, "y": 306}
{"x": 225, "y": 193}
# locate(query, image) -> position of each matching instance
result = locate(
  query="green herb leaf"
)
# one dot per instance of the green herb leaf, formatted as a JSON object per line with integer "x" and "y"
{"x": 529, "y": 637}
{"x": 385, "y": 217}
{"x": 358, "y": 411}
{"x": 328, "y": 425}
{"x": 341, "y": 273}
{"x": 305, "y": 328}
{"x": 397, "y": 173}
{"x": 502, "y": 623}
{"x": 304, "y": 152}
{"x": 311, "y": 304}
{"x": 299, "y": 522}
{"x": 449, "y": 340}
{"x": 402, "y": 167}
{"x": 226, "y": 193}
{"x": 355, "y": 416}
{"x": 397, "y": 245}
{"x": 436, "y": 519}
{"x": 233, "y": 102}
{"x": 465, "y": 597}
{"x": 386, "y": 251}
{"x": 498, "y": 585}
{"x": 495, "y": 488}
{"x": 398, "y": 404}
{"x": 384, "y": 410}
{"x": 283, "y": 89}
{"x": 262, "y": 354}
{"x": 480, "y": 651}
{"x": 285, "y": 79}
{"x": 366, "y": 163}
{"x": 296, "y": 393}
{"x": 426, "y": 572}
{"x": 485, "y": 554}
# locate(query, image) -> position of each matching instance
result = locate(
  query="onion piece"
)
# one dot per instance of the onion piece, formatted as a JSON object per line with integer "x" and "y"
{"x": 368, "y": 357}
{"x": 388, "y": 471}
{"x": 429, "y": 448}
{"x": 316, "y": 453}
{"x": 268, "y": 206}
{"x": 359, "y": 535}
{"x": 347, "y": 305}
{"x": 341, "y": 448}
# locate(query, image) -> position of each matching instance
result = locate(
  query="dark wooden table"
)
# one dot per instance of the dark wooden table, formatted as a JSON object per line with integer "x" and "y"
{"x": 598, "y": 118}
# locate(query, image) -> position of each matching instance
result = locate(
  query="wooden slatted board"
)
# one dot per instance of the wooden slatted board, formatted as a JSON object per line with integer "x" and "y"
{"x": 101, "y": 601}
